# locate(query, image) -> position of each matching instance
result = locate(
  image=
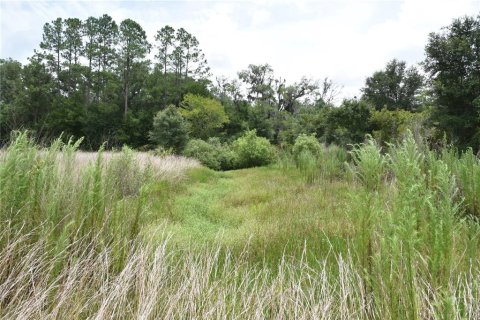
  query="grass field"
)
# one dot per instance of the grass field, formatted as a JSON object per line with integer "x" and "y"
{"x": 390, "y": 235}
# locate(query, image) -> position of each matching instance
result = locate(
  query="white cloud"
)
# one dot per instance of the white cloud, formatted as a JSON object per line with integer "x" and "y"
{"x": 344, "y": 40}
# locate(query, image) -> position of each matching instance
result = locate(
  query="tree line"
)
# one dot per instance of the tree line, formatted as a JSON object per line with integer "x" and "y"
{"x": 93, "y": 79}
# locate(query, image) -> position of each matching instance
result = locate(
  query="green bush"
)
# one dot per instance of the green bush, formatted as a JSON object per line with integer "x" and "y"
{"x": 204, "y": 152}
{"x": 247, "y": 151}
{"x": 225, "y": 155}
{"x": 212, "y": 154}
{"x": 170, "y": 129}
{"x": 390, "y": 126}
{"x": 306, "y": 143}
{"x": 253, "y": 151}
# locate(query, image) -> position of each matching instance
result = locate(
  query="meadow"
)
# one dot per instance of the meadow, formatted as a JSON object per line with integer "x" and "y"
{"x": 386, "y": 232}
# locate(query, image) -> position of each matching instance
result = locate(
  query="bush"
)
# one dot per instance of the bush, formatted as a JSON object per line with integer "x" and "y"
{"x": 226, "y": 156}
{"x": 390, "y": 126}
{"x": 247, "y": 151}
{"x": 253, "y": 151}
{"x": 170, "y": 130}
{"x": 212, "y": 154}
{"x": 306, "y": 143}
{"x": 204, "y": 152}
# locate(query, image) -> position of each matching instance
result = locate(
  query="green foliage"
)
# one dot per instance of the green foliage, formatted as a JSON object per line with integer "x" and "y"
{"x": 466, "y": 168}
{"x": 169, "y": 129}
{"x": 394, "y": 88}
{"x": 204, "y": 152}
{"x": 390, "y": 244}
{"x": 369, "y": 164}
{"x": 307, "y": 163}
{"x": 261, "y": 118}
{"x": 92, "y": 78}
{"x": 253, "y": 151}
{"x": 349, "y": 123}
{"x": 213, "y": 154}
{"x": 452, "y": 60}
{"x": 391, "y": 126}
{"x": 205, "y": 115}
{"x": 306, "y": 143}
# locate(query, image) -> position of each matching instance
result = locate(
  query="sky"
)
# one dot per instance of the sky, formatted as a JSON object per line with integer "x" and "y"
{"x": 343, "y": 40}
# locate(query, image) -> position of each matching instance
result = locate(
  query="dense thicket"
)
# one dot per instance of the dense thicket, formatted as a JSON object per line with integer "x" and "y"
{"x": 93, "y": 79}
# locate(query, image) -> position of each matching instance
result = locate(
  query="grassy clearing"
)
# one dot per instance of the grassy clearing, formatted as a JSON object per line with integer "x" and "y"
{"x": 271, "y": 210}
{"x": 390, "y": 235}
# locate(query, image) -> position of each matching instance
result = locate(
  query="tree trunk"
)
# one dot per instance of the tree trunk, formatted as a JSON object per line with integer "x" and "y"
{"x": 165, "y": 61}
{"x": 126, "y": 101}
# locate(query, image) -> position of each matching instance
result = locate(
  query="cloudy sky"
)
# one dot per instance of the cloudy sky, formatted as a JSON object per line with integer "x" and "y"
{"x": 344, "y": 40}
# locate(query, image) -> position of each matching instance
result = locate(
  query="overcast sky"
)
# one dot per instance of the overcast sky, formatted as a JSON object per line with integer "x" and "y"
{"x": 344, "y": 40}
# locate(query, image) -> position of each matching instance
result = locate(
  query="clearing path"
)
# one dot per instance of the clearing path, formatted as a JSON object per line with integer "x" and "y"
{"x": 270, "y": 209}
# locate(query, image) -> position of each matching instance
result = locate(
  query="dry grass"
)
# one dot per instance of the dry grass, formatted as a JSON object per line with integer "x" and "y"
{"x": 170, "y": 167}
{"x": 156, "y": 283}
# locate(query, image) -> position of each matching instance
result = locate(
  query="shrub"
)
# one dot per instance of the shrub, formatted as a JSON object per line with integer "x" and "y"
{"x": 204, "y": 152}
{"x": 348, "y": 123}
{"x": 392, "y": 125}
{"x": 253, "y": 151}
{"x": 306, "y": 143}
{"x": 170, "y": 130}
{"x": 212, "y": 154}
{"x": 226, "y": 156}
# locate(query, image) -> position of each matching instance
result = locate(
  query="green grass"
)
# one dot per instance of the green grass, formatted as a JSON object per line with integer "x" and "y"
{"x": 271, "y": 210}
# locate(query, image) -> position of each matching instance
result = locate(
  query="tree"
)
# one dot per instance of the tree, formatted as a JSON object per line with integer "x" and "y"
{"x": 73, "y": 41}
{"x": 194, "y": 61}
{"x": 133, "y": 48}
{"x": 90, "y": 30}
{"x": 288, "y": 96}
{"x": 453, "y": 63}
{"x": 26, "y": 95}
{"x": 348, "y": 123}
{"x": 170, "y": 130}
{"x": 53, "y": 44}
{"x": 12, "y": 110}
{"x": 107, "y": 34}
{"x": 165, "y": 41}
{"x": 205, "y": 115}
{"x": 390, "y": 126}
{"x": 73, "y": 73}
{"x": 260, "y": 80}
{"x": 328, "y": 92}
{"x": 396, "y": 87}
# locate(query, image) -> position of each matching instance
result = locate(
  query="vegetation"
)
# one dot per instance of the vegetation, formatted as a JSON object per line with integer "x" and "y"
{"x": 212, "y": 153}
{"x": 170, "y": 130}
{"x": 92, "y": 79}
{"x": 205, "y": 115}
{"x": 391, "y": 237}
{"x": 366, "y": 210}
{"x": 253, "y": 151}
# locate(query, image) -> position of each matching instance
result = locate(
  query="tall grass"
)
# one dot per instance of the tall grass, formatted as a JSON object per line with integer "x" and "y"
{"x": 71, "y": 242}
{"x": 466, "y": 169}
{"x": 158, "y": 283}
{"x": 59, "y": 195}
{"x": 328, "y": 164}
{"x": 416, "y": 233}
